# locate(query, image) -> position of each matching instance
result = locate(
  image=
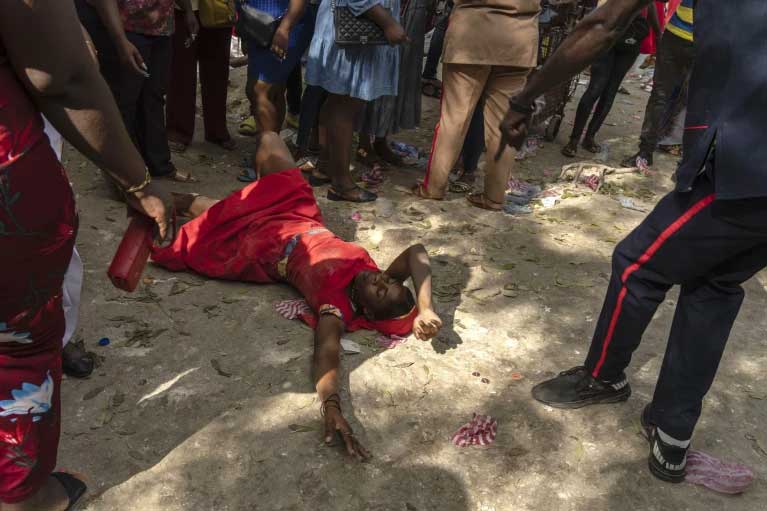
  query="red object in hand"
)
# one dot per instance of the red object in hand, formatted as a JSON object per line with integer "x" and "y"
{"x": 132, "y": 254}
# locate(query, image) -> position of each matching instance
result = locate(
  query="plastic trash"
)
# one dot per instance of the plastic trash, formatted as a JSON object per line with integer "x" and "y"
{"x": 104, "y": 341}
{"x": 350, "y": 346}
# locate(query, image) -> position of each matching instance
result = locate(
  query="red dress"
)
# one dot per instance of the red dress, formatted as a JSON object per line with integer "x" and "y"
{"x": 272, "y": 231}
{"x": 37, "y": 232}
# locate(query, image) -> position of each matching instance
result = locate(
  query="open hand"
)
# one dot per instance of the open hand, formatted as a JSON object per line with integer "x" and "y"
{"x": 192, "y": 25}
{"x": 395, "y": 34}
{"x": 426, "y": 325}
{"x": 156, "y": 203}
{"x": 336, "y": 424}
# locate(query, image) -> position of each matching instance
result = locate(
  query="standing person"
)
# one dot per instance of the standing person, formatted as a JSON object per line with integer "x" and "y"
{"x": 388, "y": 115}
{"x": 490, "y": 48}
{"x": 141, "y": 33}
{"x": 672, "y": 66}
{"x": 607, "y": 74}
{"x": 210, "y": 49}
{"x": 432, "y": 87}
{"x": 55, "y": 76}
{"x": 352, "y": 75}
{"x": 270, "y": 68}
{"x": 708, "y": 236}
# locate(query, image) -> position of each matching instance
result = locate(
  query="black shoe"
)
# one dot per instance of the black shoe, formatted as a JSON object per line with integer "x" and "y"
{"x": 667, "y": 462}
{"x": 76, "y": 362}
{"x": 74, "y": 488}
{"x": 640, "y": 160}
{"x": 576, "y": 388}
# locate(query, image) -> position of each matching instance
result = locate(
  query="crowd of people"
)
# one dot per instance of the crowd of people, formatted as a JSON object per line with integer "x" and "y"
{"x": 118, "y": 80}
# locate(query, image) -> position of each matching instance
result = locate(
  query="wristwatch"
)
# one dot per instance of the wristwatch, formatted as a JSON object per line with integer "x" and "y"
{"x": 520, "y": 108}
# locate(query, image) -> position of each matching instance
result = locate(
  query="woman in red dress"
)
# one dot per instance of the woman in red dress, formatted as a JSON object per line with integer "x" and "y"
{"x": 46, "y": 67}
{"x": 272, "y": 231}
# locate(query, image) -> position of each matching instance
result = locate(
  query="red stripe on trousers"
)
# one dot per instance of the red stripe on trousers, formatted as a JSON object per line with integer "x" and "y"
{"x": 434, "y": 141}
{"x": 693, "y": 128}
{"x": 646, "y": 256}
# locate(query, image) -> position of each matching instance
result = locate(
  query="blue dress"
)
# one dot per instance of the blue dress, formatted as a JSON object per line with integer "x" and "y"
{"x": 363, "y": 72}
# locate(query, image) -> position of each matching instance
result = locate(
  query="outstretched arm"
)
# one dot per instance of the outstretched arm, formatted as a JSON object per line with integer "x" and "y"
{"x": 327, "y": 349}
{"x": 414, "y": 262}
{"x": 597, "y": 33}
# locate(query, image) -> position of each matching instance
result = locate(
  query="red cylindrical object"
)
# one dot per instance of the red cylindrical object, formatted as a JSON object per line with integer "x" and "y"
{"x": 132, "y": 254}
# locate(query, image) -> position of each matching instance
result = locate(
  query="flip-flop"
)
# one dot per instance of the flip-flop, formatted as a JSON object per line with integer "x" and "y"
{"x": 479, "y": 200}
{"x": 74, "y": 487}
{"x": 248, "y": 127}
{"x": 364, "y": 195}
{"x": 420, "y": 192}
{"x": 247, "y": 176}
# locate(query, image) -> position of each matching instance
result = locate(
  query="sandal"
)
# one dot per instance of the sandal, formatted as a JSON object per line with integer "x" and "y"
{"x": 179, "y": 177}
{"x": 177, "y": 147}
{"x": 248, "y": 127}
{"x": 480, "y": 201}
{"x": 247, "y": 176}
{"x": 431, "y": 88}
{"x": 318, "y": 177}
{"x": 420, "y": 192}
{"x": 570, "y": 150}
{"x": 360, "y": 195}
{"x": 591, "y": 146}
{"x": 74, "y": 487}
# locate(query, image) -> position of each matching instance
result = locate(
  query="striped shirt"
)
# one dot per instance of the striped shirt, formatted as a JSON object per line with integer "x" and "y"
{"x": 681, "y": 22}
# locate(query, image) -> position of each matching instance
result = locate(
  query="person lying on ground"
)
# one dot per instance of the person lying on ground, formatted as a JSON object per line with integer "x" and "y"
{"x": 272, "y": 231}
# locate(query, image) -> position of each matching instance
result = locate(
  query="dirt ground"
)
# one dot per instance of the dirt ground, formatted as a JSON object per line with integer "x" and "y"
{"x": 203, "y": 399}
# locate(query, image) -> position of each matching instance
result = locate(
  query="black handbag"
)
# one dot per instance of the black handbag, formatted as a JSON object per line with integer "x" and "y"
{"x": 351, "y": 30}
{"x": 258, "y": 27}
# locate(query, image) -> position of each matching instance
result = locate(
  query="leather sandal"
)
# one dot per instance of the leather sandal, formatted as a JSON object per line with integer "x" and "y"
{"x": 358, "y": 195}
{"x": 179, "y": 177}
{"x": 420, "y": 192}
{"x": 479, "y": 200}
{"x": 74, "y": 487}
{"x": 591, "y": 146}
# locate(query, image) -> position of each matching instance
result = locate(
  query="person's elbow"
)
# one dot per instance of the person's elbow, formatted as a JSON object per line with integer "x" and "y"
{"x": 59, "y": 81}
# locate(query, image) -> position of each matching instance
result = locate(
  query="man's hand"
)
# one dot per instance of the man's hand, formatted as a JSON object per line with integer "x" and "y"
{"x": 336, "y": 424}
{"x": 280, "y": 42}
{"x": 131, "y": 57}
{"x": 156, "y": 203}
{"x": 513, "y": 131}
{"x": 426, "y": 325}
{"x": 395, "y": 34}
{"x": 192, "y": 24}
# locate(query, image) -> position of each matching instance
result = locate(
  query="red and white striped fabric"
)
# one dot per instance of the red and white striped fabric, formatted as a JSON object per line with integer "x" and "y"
{"x": 716, "y": 475}
{"x": 480, "y": 431}
{"x": 292, "y": 309}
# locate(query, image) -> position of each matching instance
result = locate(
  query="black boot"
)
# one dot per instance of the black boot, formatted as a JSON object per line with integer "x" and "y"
{"x": 576, "y": 388}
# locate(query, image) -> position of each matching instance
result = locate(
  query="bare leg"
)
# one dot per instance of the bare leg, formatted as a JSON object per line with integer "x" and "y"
{"x": 269, "y": 107}
{"x": 51, "y": 497}
{"x": 338, "y": 115}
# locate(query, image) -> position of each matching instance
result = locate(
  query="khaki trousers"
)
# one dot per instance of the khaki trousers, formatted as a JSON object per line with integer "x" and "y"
{"x": 463, "y": 85}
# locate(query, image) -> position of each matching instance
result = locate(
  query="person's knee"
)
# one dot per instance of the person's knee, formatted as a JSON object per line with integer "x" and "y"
{"x": 272, "y": 155}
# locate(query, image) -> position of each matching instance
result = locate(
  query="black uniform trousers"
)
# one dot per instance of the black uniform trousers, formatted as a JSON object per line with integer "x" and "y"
{"x": 707, "y": 247}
